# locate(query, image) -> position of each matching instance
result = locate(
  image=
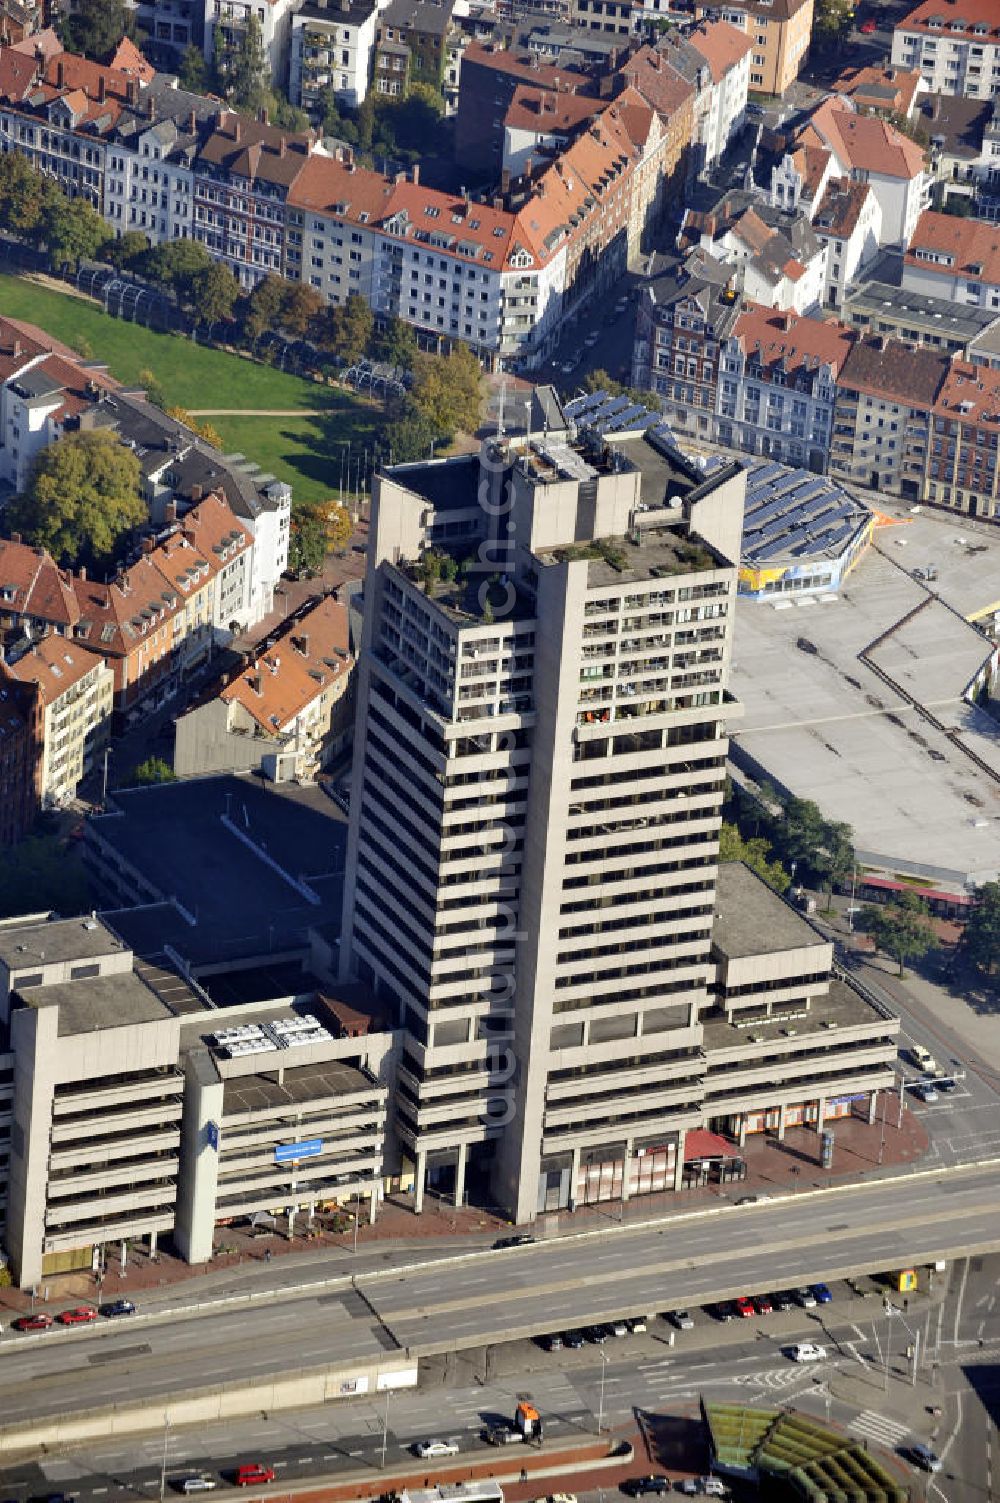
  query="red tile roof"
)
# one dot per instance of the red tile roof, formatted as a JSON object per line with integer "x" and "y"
{"x": 651, "y": 72}
{"x": 548, "y": 110}
{"x": 840, "y": 208}
{"x": 970, "y": 13}
{"x": 55, "y": 665}
{"x": 31, "y": 584}
{"x": 863, "y": 142}
{"x": 971, "y": 394}
{"x": 312, "y": 655}
{"x": 892, "y": 89}
{"x": 722, "y": 45}
{"x": 892, "y": 370}
{"x": 971, "y": 245}
{"x": 130, "y": 61}
{"x": 797, "y": 341}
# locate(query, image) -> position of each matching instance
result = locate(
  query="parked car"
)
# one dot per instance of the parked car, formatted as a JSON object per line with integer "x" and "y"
{"x": 681, "y": 1319}
{"x": 806, "y": 1351}
{"x": 725, "y": 1310}
{"x": 253, "y": 1474}
{"x": 501, "y": 1434}
{"x": 117, "y": 1307}
{"x": 928, "y": 1092}
{"x": 518, "y": 1239}
{"x": 81, "y": 1315}
{"x": 868, "y": 28}
{"x": 645, "y": 1487}
{"x": 637, "y": 1325}
{"x": 36, "y": 1322}
{"x": 744, "y": 1307}
{"x": 923, "y": 1457}
{"x": 783, "y": 1300}
{"x": 430, "y": 1450}
{"x": 805, "y": 1298}
{"x": 574, "y": 1340}
{"x": 703, "y": 1487}
{"x": 597, "y": 1334}
{"x": 762, "y": 1303}
{"x": 618, "y": 1327}
{"x": 198, "y": 1482}
{"x": 553, "y": 1343}
{"x": 822, "y": 1293}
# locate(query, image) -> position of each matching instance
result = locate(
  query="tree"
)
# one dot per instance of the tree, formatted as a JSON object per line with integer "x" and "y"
{"x": 981, "y": 939}
{"x": 83, "y": 496}
{"x": 39, "y": 873}
{"x": 244, "y": 70}
{"x": 832, "y": 20}
{"x": 397, "y": 344}
{"x": 300, "y": 304}
{"x": 95, "y": 27}
{"x": 204, "y": 430}
{"x": 448, "y": 390}
{"x": 286, "y": 115}
{"x": 366, "y": 122}
{"x": 193, "y": 71}
{"x": 213, "y": 292}
{"x": 23, "y": 194}
{"x": 174, "y": 265}
{"x": 756, "y": 854}
{"x": 409, "y": 436}
{"x": 345, "y": 330}
{"x": 263, "y": 307}
{"x": 150, "y": 382}
{"x": 337, "y": 521}
{"x": 72, "y": 230}
{"x": 126, "y": 252}
{"x": 307, "y": 542}
{"x": 902, "y": 928}
{"x": 154, "y": 770}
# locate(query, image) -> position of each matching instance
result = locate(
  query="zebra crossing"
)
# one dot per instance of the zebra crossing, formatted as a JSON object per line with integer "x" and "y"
{"x": 871, "y": 1425}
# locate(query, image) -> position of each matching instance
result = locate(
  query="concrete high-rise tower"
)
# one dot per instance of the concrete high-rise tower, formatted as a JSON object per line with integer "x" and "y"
{"x": 537, "y": 786}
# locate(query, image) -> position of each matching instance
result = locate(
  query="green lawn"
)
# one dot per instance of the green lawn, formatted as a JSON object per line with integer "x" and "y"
{"x": 191, "y": 375}
{"x": 307, "y": 452}
{"x": 304, "y": 451}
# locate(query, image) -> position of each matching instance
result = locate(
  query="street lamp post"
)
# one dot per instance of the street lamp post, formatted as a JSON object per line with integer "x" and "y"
{"x": 385, "y": 1429}
{"x": 600, "y": 1411}
{"x": 163, "y": 1461}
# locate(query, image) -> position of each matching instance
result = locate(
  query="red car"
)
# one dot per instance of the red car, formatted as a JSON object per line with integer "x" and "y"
{"x": 78, "y": 1317}
{"x": 37, "y": 1322}
{"x": 744, "y": 1308}
{"x": 868, "y": 28}
{"x": 253, "y": 1473}
{"x": 762, "y": 1304}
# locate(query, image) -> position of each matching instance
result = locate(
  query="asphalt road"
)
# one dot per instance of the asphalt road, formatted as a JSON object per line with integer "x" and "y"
{"x": 494, "y": 1297}
{"x": 642, "y": 1375}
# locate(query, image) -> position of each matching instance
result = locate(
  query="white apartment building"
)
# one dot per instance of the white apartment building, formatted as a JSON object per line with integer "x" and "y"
{"x": 726, "y": 50}
{"x": 230, "y": 17}
{"x": 846, "y": 215}
{"x": 778, "y": 385}
{"x": 954, "y": 43}
{"x": 77, "y": 694}
{"x": 867, "y": 149}
{"x": 956, "y": 259}
{"x": 151, "y": 187}
{"x": 332, "y": 47}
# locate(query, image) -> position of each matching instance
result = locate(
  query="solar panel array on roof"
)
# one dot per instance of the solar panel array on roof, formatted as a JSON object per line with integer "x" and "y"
{"x": 607, "y": 414}
{"x": 794, "y": 514}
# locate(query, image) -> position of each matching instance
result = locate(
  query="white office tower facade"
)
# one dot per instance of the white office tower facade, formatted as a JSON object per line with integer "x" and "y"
{"x": 537, "y": 789}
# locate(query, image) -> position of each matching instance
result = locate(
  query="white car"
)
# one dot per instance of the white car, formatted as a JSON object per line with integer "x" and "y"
{"x": 681, "y": 1319}
{"x": 561, "y": 1498}
{"x": 430, "y": 1450}
{"x": 807, "y": 1351}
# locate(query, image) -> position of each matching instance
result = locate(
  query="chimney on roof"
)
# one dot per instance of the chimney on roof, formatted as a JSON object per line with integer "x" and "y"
{"x": 193, "y": 121}
{"x": 416, "y": 172}
{"x": 281, "y": 147}
{"x": 60, "y": 74}
{"x": 236, "y": 127}
{"x": 81, "y": 573}
{"x": 255, "y": 684}
{"x": 498, "y": 202}
{"x": 148, "y": 544}
{"x": 505, "y": 180}
{"x": 132, "y": 91}
{"x": 15, "y": 537}
{"x": 102, "y": 89}
{"x": 17, "y": 348}
{"x": 197, "y": 492}
{"x": 151, "y": 106}
{"x": 303, "y": 644}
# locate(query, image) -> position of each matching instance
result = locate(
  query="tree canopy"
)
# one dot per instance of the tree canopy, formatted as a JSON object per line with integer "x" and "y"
{"x": 448, "y": 391}
{"x": 154, "y": 770}
{"x": 345, "y": 330}
{"x": 242, "y": 69}
{"x": 396, "y": 344}
{"x": 95, "y": 27}
{"x": 213, "y": 291}
{"x": 902, "y": 928}
{"x": 756, "y": 853}
{"x": 981, "y": 939}
{"x": 307, "y": 542}
{"x": 83, "y": 496}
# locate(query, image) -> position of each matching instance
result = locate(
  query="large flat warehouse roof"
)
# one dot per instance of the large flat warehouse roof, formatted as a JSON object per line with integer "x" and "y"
{"x": 829, "y": 688}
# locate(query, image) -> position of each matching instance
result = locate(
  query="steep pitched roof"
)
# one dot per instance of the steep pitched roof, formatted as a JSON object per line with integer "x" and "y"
{"x": 948, "y": 13}
{"x": 971, "y": 394}
{"x": 549, "y": 111}
{"x": 651, "y": 71}
{"x": 893, "y": 370}
{"x": 130, "y": 61}
{"x": 970, "y": 247}
{"x": 891, "y": 89}
{"x": 840, "y": 208}
{"x": 792, "y": 340}
{"x": 31, "y": 584}
{"x": 311, "y": 656}
{"x": 55, "y": 665}
{"x": 722, "y": 45}
{"x": 864, "y": 142}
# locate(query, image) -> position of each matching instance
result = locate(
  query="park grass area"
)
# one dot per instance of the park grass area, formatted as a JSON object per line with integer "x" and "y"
{"x": 191, "y": 375}
{"x": 307, "y": 452}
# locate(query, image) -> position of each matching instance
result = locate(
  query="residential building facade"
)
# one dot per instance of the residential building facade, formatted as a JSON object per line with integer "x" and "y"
{"x": 22, "y": 734}
{"x": 332, "y": 47}
{"x": 780, "y": 31}
{"x": 867, "y": 149}
{"x": 882, "y": 416}
{"x": 954, "y": 43}
{"x": 956, "y": 259}
{"x": 778, "y": 385}
{"x": 76, "y": 690}
{"x": 681, "y": 326}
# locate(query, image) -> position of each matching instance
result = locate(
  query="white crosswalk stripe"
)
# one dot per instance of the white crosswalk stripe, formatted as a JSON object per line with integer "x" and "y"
{"x": 877, "y": 1427}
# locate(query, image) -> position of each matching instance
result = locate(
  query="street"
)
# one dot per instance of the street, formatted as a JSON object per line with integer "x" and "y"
{"x": 864, "y": 1386}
